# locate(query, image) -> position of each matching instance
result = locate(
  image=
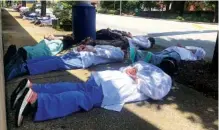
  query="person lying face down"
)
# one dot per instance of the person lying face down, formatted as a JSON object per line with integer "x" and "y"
{"x": 49, "y": 46}
{"x": 169, "y": 58}
{"x": 123, "y": 39}
{"x": 30, "y": 15}
{"x": 109, "y": 89}
{"x": 80, "y": 57}
{"x": 44, "y": 21}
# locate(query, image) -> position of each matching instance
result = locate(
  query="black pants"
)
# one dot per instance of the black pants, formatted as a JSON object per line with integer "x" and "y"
{"x": 106, "y": 34}
{"x": 123, "y": 44}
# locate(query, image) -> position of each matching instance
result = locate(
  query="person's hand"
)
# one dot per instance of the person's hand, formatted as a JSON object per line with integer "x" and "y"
{"x": 85, "y": 48}
{"x": 129, "y": 35}
{"x": 81, "y": 48}
{"x": 88, "y": 49}
{"x": 132, "y": 72}
{"x": 49, "y": 37}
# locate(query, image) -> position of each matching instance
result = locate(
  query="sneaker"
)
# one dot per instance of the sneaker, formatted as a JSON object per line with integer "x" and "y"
{"x": 25, "y": 106}
{"x": 18, "y": 92}
{"x": 169, "y": 66}
{"x": 9, "y": 54}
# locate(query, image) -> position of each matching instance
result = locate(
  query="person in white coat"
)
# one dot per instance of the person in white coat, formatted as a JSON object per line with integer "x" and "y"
{"x": 79, "y": 57}
{"x": 109, "y": 89}
{"x": 169, "y": 58}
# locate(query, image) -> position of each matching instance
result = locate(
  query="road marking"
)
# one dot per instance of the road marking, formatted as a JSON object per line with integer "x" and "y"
{"x": 197, "y": 26}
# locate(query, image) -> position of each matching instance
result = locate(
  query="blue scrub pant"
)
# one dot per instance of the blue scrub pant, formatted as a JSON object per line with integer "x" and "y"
{"x": 44, "y": 64}
{"x": 50, "y": 63}
{"x": 61, "y": 99}
{"x": 171, "y": 54}
{"x": 157, "y": 58}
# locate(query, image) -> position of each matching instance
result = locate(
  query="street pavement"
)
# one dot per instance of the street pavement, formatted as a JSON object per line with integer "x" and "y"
{"x": 166, "y": 32}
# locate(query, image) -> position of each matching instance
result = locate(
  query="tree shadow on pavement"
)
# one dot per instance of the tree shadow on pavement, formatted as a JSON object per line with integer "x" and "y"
{"x": 197, "y": 108}
{"x": 14, "y": 33}
{"x": 204, "y": 110}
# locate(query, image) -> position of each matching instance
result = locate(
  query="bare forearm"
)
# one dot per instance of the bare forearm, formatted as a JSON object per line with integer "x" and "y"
{"x": 58, "y": 38}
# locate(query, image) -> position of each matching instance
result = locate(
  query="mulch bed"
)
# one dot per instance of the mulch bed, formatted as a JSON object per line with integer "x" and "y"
{"x": 198, "y": 76}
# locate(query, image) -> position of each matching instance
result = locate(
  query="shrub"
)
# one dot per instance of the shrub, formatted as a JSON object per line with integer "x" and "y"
{"x": 180, "y": 18}
{"x": 63, "y": 11}
{"x": 111, "y": 11}
{"x": 102, "y": 10}
{"x": 105, "y": 11}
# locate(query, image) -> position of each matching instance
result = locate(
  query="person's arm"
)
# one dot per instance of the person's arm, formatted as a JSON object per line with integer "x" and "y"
{"x": 52, "y": 37}
{"x": 58, "y": 38}
{"x": 154, "y": 89}
{"x": 89, "y": 49}
{"x": 110, "y": 52}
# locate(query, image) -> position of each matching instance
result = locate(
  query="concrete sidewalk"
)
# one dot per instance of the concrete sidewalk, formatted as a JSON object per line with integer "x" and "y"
{"x": 182, "y": 109}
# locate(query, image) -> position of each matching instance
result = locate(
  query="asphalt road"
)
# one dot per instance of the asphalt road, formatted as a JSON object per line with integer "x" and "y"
{"x": 166, "y": 32}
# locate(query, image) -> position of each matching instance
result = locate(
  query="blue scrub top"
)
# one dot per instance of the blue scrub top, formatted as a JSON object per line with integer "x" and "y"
{"x": 44, "y": 48}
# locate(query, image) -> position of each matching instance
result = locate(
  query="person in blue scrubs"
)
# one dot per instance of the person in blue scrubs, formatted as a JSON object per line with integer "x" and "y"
{"x": 169, "y": 58}
{"x": 80, "y": 57}
{"x": 109, "y": 89}
{"x": 49, "y": 46}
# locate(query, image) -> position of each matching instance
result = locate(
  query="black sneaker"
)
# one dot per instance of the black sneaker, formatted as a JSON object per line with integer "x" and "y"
{"x": 9, "y": 54}
{"x": 18, "y": 92}
{"x": 24, "y": 106}
{"x": 169, "y": 66}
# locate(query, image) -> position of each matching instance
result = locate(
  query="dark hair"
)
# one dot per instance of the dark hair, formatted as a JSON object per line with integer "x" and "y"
{"x": 152, "y": 40}
{"x": 67, "y": 42}
{"x": 169, "y": 65}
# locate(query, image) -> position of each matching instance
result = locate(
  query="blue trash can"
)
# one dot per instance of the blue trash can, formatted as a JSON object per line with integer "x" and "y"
{"x": 84, "y": 22}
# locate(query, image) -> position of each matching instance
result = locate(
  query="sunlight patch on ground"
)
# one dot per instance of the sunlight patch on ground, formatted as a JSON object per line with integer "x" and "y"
{"x": 196, "y": 26}
{"x": 166, "y": 115}
{"x": 39, "y": 32}
{"x": 80, "y": 74}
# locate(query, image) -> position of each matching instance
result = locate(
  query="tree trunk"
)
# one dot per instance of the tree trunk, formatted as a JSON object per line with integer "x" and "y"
{"x": 214, "y": 64}
{"x": 43, "y": 8}
{"x": 174, "y": 6}
{"x": 168, "y": 5}
{"x": 178, "y": 6}
{"x": 24, "y": 3}
{"x": 215, "y": 20}
{"x": 181, "y": 8}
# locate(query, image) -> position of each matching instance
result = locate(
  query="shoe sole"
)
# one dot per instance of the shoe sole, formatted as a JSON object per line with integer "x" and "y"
{"x": 18, "y": 92}
{"x": 25, "y": 102}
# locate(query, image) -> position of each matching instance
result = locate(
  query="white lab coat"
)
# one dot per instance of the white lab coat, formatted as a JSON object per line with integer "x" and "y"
{"x": 119, "y": 88}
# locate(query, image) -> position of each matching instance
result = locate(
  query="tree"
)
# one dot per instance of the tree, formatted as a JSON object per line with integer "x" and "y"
{"x": 167, "y": 3}
{"x": 108, "y": 4}
{"x": 149, "y": 4}
{"x": 214, "y": 64}
{"x": 24, "y": 3}
{"x": 43, "y": 8}
{"x": 181, "y": 7}
{"x": 178, "y": 6}
{"x": 63, "y": 11}
{"x": 215, "y": 12}
{"x": 212, "y": 6}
